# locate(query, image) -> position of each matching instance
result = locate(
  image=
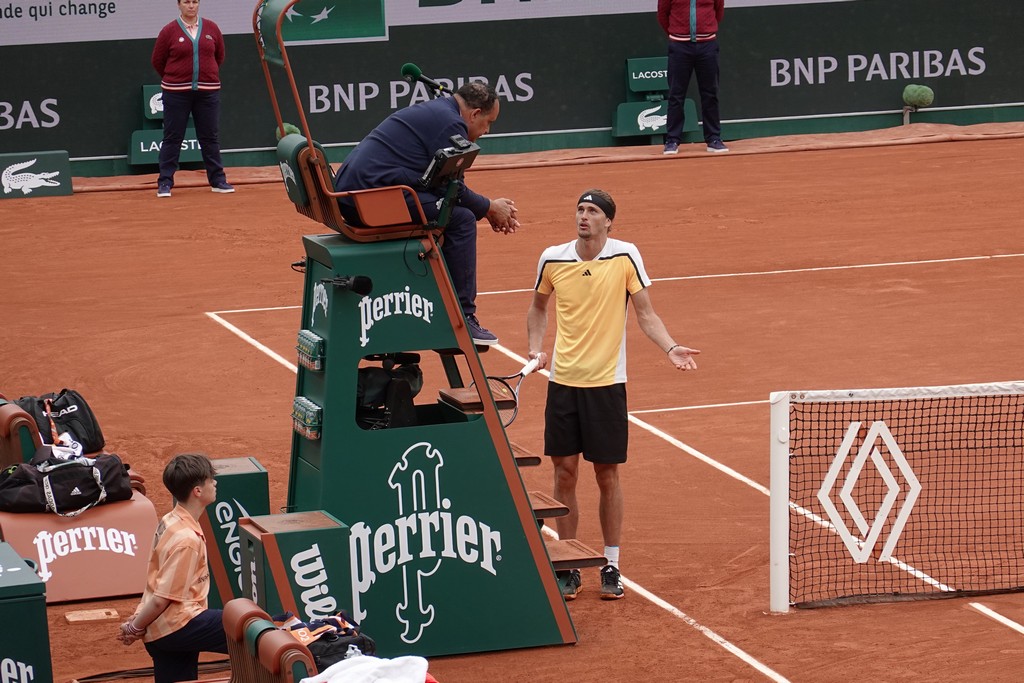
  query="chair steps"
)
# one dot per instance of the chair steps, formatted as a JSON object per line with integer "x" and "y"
{"x": 570, "y": 553}
{"x": 524, "y": 458}
{"x": 545, "y": 506}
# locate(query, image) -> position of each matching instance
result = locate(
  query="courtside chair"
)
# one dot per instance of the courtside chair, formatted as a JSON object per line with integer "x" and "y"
{"x": 283, "y": 659}
{"x": 19, "y": 435}
{"x": 384, "y": 212}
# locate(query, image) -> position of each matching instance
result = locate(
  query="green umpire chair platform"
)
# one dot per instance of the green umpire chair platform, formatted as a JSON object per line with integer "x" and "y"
{"x": 430, "y": 494}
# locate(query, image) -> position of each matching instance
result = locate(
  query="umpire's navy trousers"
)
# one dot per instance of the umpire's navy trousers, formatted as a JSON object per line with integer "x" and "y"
{"x": 459, "y": 251}
{"x": 204, "y": 107}
{"x": 176, "y": 656}
{"x": 684, "y": 59}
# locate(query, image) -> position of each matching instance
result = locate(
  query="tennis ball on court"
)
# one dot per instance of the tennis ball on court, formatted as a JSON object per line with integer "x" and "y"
{"x": 918, "y": 95}
{"x": 289, "y": 129}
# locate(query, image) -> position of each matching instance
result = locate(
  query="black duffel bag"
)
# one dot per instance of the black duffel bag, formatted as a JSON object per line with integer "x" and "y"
{"x": 65, "y": 413}
{"x": 66, "y": 487}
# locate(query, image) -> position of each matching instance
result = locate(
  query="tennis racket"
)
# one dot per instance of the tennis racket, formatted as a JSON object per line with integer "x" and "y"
{"x": 506, "y": 397}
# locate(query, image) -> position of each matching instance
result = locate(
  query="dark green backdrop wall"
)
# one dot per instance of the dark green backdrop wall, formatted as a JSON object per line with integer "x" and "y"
{"x": 786, "y": 68}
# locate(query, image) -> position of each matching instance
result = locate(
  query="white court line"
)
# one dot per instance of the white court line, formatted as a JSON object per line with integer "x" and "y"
{"x": 700, "y": 407}
{"x": 855, "y": 266}
{"x": 693, "y": 623}
{"x": 992, "y": 614}
{"x": 256, "y": 310}
{"x": 249, "y": 340}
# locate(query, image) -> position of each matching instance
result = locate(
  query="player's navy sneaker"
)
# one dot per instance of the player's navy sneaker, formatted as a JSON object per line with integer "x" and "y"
{"x": 480, "y": 335}
{"x": 716, "y": 145}
{"x": 671, "y": 148}
{"x": 222, "y": 187}
{"x": 163, "y": 190}
{"x": 611, "y": 583}
{"x": 570, "y": 582}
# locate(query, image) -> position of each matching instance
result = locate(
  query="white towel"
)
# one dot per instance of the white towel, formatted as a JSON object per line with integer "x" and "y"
{"x": 367, "y": 669}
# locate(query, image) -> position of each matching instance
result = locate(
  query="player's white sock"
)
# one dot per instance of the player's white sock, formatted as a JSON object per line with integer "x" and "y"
{"x": 611, "y": 553}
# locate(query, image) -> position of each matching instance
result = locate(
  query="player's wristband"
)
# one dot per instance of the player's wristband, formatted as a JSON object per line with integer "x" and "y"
{"x": 674, "y": 346}
{"x": 133, "y": 630}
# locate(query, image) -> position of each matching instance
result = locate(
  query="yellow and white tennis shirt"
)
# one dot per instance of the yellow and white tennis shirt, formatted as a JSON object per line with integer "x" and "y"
{"x": 591, "y": 300}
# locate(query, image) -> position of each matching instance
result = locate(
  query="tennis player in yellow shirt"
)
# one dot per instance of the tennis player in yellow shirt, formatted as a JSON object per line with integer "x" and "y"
{"x": 593, "y": 278}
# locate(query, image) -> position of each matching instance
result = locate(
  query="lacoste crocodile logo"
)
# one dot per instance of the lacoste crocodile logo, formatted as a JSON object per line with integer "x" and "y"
{"x": 648, "y": 119}
{"x": 26, "y": 182}
{"x": 156, "y": 103}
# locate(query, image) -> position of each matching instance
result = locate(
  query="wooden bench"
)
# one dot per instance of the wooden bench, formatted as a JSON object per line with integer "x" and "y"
{"x": 244, "y": 623}
{"x": 259, "y": 651}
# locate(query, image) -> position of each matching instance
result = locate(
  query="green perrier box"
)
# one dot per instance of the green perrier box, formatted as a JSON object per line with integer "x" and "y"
{"x": 297, "y": 562}
{"x": 25, "y": 646}
{"x": 243, "y": 490}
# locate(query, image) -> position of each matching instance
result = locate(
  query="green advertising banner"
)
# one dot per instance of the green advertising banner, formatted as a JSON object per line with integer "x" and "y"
{"x": 35, "y": 174}
{"x": 145, "y": 146}
{"x": 152, "y": 102}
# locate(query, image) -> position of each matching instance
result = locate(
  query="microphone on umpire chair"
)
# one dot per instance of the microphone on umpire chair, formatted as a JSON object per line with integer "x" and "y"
{"x": 358, "y": 284}
{"x": 413, "y": 73}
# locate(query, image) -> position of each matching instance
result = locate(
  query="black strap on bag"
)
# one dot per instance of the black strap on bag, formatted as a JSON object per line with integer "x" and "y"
{"x": 72, "y": 482}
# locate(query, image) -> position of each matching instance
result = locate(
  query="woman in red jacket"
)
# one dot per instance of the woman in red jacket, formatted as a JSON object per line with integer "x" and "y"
{"x": 187, "y": 55}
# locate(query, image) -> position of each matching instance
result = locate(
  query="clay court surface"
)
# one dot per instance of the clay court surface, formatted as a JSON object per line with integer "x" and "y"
{"x": 758, "y": 259}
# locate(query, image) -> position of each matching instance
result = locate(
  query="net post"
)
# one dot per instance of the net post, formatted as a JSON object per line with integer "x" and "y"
{"x": 779, "y": 503}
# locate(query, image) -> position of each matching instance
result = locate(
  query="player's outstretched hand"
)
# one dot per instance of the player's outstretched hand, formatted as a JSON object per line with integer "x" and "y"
{"x": 682, "y": 357}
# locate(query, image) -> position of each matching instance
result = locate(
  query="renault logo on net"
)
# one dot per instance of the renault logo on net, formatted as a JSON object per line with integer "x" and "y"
{"x": 877, "y": 438}
{"x": 425, "y": 534}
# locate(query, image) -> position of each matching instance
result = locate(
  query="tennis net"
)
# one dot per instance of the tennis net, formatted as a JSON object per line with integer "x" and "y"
{"x": 891, "y": 494}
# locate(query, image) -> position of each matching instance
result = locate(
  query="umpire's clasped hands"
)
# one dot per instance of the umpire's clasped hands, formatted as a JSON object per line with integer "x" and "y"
{"x": 502, "y": 216}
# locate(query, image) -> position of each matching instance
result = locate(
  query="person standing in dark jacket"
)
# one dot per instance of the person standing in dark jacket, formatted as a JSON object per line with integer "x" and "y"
{"x": 398, "y": 151}
{"x": 692, "y": 30}
{"x": 188, "y": 54}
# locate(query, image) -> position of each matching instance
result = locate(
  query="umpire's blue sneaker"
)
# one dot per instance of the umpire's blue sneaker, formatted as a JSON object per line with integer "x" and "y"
{"x": 570, "y": 582}
{"x": 716, "y": 145}
{"x": 222, "y": 187}
{"x": 480, "y": 335}
{"x": 671, "y": 148}
{"x": 163, "y": 190}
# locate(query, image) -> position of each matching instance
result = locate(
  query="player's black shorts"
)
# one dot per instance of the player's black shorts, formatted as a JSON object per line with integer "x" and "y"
{"x": 590, "y": 420}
